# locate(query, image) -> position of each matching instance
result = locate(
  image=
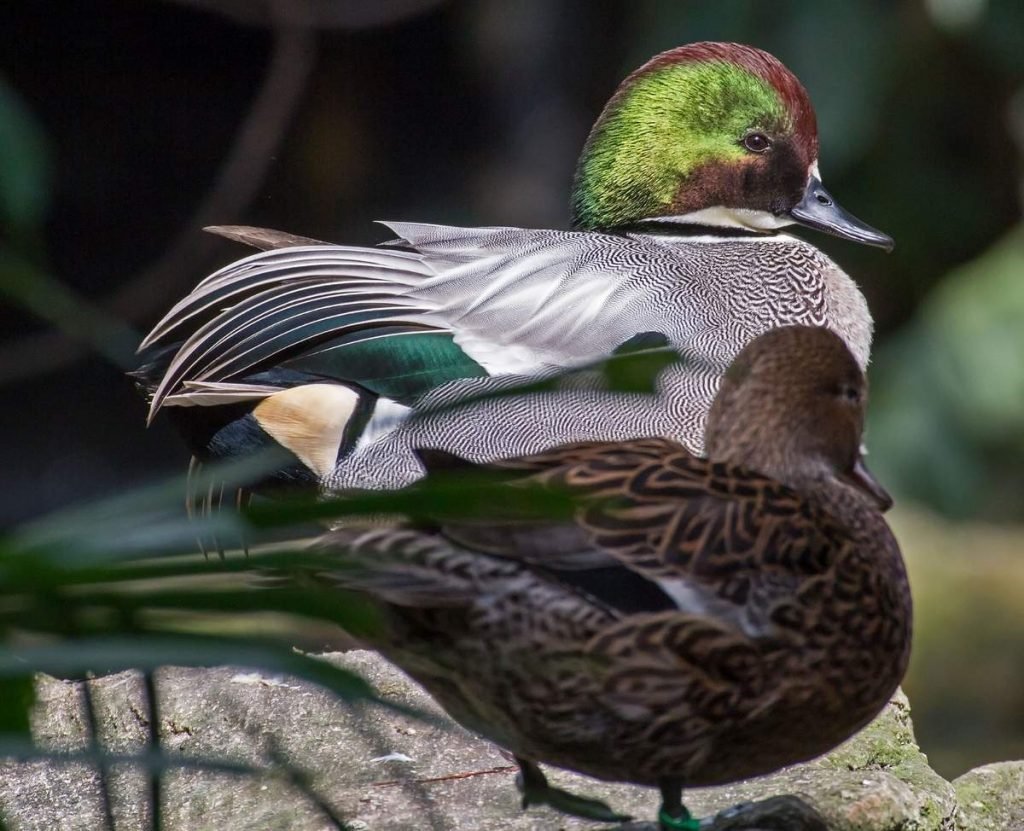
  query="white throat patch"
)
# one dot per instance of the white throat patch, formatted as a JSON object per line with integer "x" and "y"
{"x": 719, "y": 217}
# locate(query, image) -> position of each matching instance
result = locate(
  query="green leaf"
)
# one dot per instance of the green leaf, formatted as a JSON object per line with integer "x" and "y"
{"x": 474, "y": 493}
{"x": 635, "y": 365}
{"x": 25, "y": 164}
{"x": 56, "y": 303}
{"x": 17, "y": 695}
{"x": 143, "y": 522}
{"x": 298, "y": 598}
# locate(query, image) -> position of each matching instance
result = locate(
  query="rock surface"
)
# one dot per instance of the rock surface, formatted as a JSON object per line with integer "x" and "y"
{"x": 991, "y": 798}
{"x": 379, "y": 770}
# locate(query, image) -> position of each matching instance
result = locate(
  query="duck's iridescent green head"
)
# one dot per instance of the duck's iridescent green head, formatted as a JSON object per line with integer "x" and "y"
{"x": 714, "y": 134}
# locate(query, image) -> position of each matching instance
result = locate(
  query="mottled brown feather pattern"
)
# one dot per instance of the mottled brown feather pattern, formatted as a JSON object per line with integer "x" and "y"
{"x": 792, "y": 619}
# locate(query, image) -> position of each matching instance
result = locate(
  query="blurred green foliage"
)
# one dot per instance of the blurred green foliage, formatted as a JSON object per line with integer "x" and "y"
{"x": 26, "y": 184}
{"x": 947, "y": 416}
{"x": 26, "y": 167}
{"x": 966, "y": 672}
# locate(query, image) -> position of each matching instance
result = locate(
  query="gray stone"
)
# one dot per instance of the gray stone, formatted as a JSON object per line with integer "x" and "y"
{"x": 380, "y": 770}
{"x": 991, "y": 798}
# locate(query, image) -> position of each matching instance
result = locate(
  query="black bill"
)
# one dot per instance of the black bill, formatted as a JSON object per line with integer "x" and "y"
{"x": 819, "y": 210}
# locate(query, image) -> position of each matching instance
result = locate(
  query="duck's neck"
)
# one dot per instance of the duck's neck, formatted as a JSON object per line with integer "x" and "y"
{"x": 712, "y": 221}
{"x": 725, "y": 220}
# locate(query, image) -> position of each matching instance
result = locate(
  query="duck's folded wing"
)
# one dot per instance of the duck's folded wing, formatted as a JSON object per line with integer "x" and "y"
{"x": 715, "y": 540}
{"x": 562, "y": 297}
{"x": 296, "y": 309}
{"x": 464, "y": 302}
{"x": 516, "y": 530}
{"x": 405, "y": 567}
{"x": 413, "y": 570}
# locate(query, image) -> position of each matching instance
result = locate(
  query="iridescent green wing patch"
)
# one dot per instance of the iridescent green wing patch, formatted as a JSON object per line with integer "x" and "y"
{"x": 402, "y": 366}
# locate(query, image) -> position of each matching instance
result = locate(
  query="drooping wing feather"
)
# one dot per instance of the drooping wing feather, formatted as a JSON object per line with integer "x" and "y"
{"x": 289, "y": 308}
{"x": 203, "y": 394}
{"x": 267, "y": 331}
{"x": 277, "y": 271}
{"x": 264, "y": 239}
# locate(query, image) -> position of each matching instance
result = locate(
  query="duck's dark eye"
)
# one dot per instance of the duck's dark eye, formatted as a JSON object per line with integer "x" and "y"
{"x": 756, "y": 142}
{"x": 849, "y": 393}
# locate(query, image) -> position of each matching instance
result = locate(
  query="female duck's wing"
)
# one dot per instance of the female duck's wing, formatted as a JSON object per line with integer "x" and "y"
{"x": 715, "y": 540}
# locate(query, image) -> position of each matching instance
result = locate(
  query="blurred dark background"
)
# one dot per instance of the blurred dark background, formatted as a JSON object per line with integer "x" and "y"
{"x": 125, "y": 126}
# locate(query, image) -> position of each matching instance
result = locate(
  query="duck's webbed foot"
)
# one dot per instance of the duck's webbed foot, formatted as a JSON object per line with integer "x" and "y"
{"x": 779, "y": 813}
{"x": 536, "y": 791}
{"x": 673, "y": 816}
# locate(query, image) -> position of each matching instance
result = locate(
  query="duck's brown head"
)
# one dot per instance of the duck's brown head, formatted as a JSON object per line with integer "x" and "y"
{"x": 792, "y": 406}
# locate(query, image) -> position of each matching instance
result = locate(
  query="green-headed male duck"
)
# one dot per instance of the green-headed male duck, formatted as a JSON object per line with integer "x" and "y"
{"x": 694, "y": 168}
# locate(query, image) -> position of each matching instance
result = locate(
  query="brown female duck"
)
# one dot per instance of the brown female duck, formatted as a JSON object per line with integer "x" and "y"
{"x": 696, "y": 621}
